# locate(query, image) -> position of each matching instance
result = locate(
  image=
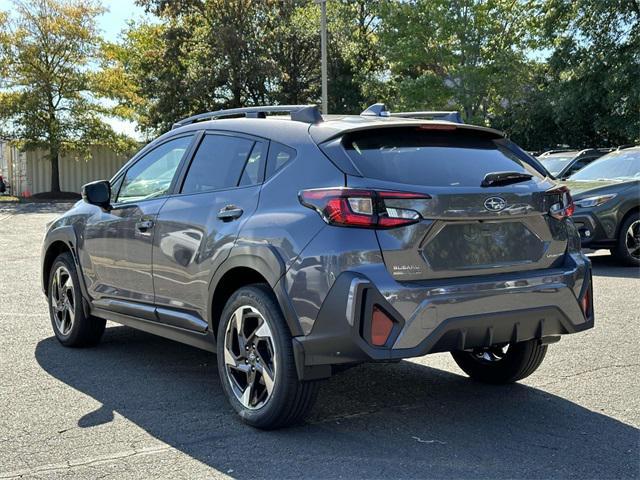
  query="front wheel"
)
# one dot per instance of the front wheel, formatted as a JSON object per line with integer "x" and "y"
{"x": 71, "y": 325}
{"x": 628, "y": 249}
{"x": 256, "y": 364}
{"x": 502, "y": 364}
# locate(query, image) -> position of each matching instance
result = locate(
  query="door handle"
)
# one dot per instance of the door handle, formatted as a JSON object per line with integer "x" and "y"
{"x": 144, "y": 225}
{"x": 230, "y": 212}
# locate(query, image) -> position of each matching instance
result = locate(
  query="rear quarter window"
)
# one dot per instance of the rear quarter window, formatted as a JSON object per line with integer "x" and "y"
{"x": 436, "y": 158}
{"x": 279, "y": 156}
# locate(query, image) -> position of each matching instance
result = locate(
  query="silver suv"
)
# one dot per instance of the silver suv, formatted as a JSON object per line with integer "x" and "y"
{"x": 295, "y": 246}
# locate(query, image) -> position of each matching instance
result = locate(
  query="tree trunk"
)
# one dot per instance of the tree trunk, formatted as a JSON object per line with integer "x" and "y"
{"x": 55, "y": 171}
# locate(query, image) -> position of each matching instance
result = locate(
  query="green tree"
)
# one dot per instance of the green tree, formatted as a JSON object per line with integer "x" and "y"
{"x": 204, "y": 55}
{"x": 210, "y": 54}
{"x": 463, "y": 54}
{"x": 593, "y": 70}
{"x": 356, "y": 66}
{"x": 49, "y": 89}
{"x": 153, "y": 64}
{"x": 547, "y": 71}
{"x": 294, "y": 50}
{"x": 584, "y": 92}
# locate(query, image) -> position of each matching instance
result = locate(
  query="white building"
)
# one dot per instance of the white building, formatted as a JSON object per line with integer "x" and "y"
{"x": 30, "y": 172}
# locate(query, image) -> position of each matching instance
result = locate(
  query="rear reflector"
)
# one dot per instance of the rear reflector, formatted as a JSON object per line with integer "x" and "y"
{"x": 381, "y": 326}
{"x": 585, "y": 303}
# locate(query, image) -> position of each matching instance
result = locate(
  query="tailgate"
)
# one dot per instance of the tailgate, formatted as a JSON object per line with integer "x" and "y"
{"x": 465, "y": 228}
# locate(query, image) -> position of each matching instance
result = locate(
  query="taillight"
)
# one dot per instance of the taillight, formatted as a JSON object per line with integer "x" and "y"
{"x": 563, "y": 205}
{"x": 352, "y": 207}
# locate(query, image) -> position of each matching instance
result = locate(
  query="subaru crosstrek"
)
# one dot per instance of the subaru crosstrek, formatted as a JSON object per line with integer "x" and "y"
{"x": 295, "y": 246}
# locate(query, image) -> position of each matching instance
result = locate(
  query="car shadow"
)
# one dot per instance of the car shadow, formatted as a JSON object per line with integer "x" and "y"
{"x": 376, "y": 420}
{"x": 605, "y": 265}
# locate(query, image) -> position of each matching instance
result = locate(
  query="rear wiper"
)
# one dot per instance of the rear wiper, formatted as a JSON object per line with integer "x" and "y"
{"x": 504, "y": 178}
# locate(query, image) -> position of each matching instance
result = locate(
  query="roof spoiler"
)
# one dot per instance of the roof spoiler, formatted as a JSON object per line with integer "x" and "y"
{"x": 299, "y": 113}
{"x": 380, "y": 110}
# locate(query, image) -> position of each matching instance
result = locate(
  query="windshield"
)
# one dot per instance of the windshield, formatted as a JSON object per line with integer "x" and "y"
{"x": 421, "y": 157}
{"x": 621, "y": 165}
{"x": 555, "y": 164}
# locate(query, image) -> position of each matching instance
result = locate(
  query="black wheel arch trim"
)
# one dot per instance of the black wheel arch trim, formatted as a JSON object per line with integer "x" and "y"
{"x": 333, "y": 341}
{"x": 265, "y": 260}
{"x": 67, "y": 235}
{"x": 631, "y": 210}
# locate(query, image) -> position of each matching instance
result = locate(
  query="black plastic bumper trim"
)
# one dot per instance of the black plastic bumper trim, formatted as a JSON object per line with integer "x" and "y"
{"x": 333, "y": 341}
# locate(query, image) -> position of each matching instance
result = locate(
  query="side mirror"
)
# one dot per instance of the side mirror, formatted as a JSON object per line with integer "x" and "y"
{"x": 97, "y": 193}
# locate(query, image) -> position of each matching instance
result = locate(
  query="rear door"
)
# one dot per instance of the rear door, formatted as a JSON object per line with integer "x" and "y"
{"x": 466, "y": 229}
{"x": 197, "y": 228}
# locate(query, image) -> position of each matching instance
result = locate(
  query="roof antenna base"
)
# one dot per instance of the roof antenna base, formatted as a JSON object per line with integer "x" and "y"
{"x": 376, "y": 110}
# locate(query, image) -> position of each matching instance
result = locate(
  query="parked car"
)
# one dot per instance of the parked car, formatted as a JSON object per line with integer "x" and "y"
{"x": 550, "y": 152}
{"x": 296, "y": 247}
{"x": 564, "y": 164}
{"x": 607, "y": 199}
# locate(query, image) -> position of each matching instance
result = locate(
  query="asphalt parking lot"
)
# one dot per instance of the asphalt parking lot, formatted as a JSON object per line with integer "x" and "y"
{"x": 138, "y": 406}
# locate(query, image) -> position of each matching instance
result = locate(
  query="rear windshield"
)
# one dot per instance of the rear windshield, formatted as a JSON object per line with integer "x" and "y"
{"x": 437, "y": 158}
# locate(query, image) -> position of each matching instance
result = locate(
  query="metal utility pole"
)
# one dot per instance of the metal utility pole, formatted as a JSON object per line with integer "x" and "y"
{"x": 323, "y": 50}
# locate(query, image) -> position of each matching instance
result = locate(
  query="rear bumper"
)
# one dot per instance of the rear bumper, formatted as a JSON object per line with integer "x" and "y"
{"x": 457, "y": 314}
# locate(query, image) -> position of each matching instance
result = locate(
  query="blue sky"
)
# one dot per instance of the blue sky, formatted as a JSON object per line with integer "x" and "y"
{"x": 115, "y": 19}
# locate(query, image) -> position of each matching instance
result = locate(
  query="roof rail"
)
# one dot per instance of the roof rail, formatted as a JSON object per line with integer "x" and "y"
{"x": 602, "y": 150}
{"x": 380, "y": 110}
{"x": 557, "y": 150}
{"x": 299, "y": 113}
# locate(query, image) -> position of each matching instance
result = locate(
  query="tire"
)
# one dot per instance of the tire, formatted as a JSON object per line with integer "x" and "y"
{"x": 519, "y": 361}
{"x": 630, "y": 226}
{"x": 72, "y": 327}
{"x": 289, "y": 400}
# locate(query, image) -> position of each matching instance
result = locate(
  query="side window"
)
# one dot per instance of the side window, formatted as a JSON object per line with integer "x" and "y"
{"x": 217, "y": 164}
{"x": 115, "y": 188}
{"x": 578, "y": 165}
{"x": 151, "y": 176}
{"x": 279, "y": 155}
{"x": 252, "y": 173}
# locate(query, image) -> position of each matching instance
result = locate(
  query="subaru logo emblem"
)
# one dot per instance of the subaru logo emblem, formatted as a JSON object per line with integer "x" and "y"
{"x": 495, "y": 204}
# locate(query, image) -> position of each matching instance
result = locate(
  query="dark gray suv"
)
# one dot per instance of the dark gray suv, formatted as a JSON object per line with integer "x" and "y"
{"x": 296, "y": 246}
